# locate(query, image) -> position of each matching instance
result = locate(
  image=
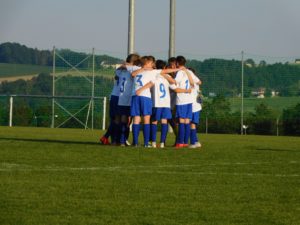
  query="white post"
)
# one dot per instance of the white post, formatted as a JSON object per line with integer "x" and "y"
{"x": 53, "y": 90}
{"x": 11, "y": 103}
{"x": 104, "y": 113}
{"x": 93, "y": 89}
{"x": 131, "y": 27}
{"x": 172, "y": 29}
{"x": 242, "y": 95}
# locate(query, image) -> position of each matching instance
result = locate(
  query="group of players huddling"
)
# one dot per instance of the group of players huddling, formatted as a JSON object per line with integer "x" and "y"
{"x": 157, "y": 92}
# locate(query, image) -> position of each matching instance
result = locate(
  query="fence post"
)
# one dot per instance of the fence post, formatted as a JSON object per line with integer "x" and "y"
{"x": 104, "y": 113}
{"x": 11, "y": 103}
{"x": 242, "y": 94}
{"x": 206, "y": 124}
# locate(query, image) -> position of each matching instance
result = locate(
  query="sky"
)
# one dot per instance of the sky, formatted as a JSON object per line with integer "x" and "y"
{"x": 203, "y": 27}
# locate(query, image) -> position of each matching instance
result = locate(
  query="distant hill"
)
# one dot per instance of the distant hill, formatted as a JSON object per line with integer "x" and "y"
{"x": 20, "y": 54}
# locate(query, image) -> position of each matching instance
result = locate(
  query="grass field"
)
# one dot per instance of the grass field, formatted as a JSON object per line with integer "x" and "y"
{"x": 276, "y": 103}
{"x": 11, "y": 71}
{"x": 63, "y": 176}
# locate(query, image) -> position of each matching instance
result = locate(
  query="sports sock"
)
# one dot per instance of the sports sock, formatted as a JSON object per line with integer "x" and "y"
{"x": 153, "y": 132}
{"x": 181, "y": 132}
{"x": 164, "y": 132}
{"x": 187, "y": 133}
{"x": 123, "y": 133}
{"x": 193, "y": 136}
{"x": 127, "y": 132}
{"x": 135, "y": 133}
{"x": 109, "y": 130}
{"x": 146, "y": 134}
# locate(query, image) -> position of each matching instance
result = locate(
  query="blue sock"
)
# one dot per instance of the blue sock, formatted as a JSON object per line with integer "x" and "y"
{"x": 123, "y": 133}
{"x": 135, "y": 133}
{"x": 187, "y": 133}
{"x": 181, "y": 131}
{"x": 127, "y": 132}
{"x": 153, "y": 132}
{"x": 164, "y": 132}
{"x": 193, "y": 136}
{"x": 146, "y": 134}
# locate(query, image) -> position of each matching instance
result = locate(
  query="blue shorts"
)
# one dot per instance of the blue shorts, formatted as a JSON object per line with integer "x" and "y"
{"x": 141, "y": 106}
{"x": 184, "y": 111}
{"x": 161, "y": 113}
{"x": 113, "y": 106}
{"x": 124, "y": 110}
{"x": 196, "y": 117}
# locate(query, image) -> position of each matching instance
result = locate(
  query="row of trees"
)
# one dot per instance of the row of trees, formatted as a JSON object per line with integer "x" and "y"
{"x": 219, "y": 76}
{"x": 217, "y": 115}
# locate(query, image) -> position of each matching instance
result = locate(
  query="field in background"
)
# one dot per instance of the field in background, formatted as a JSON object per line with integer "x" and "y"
{"x": 63, "y": 176}
{"x": 11, "y": 72}
{"x": 276, "y": 103}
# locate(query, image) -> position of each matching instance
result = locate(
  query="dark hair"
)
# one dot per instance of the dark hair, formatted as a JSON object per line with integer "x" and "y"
{"x": 160, "y": 64}
{"x": 180, "y": 60}
{"x": 132, "y": 58}
{"x": 171, "y": 60}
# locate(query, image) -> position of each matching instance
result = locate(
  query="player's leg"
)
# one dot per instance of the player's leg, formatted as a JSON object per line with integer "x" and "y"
{"x": 146, "y": 130}
{"x": 164, "y": 132}
{"x": 136, "y": 114}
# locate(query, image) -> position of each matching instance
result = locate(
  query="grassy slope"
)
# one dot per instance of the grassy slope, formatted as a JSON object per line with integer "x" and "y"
{"x": 62, "y": 176}
{"x": 8, "y": 70}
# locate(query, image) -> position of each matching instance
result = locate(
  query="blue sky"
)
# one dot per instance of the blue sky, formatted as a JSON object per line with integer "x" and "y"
{"x": 203, "y": 27}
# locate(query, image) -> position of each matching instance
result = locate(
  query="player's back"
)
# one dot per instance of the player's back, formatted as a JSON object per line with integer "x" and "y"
{"x": 183, "y": 82}
{"x": 142, "y": 79}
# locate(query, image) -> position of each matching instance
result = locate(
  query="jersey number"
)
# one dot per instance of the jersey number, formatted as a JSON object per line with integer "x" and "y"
{"x": 139, "y": 77}
{"x": 162, "y": 90}
{"x": 187, "y": 84}
{"x": 122, "y": 85}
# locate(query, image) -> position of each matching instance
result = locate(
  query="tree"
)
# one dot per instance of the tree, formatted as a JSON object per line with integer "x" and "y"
{"x": 291, "y": 120}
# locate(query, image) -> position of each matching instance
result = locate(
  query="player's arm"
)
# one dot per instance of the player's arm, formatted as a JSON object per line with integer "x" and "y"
{"x": 181, "y": 90}
{"x": 169, "y": 78}
{"x": 189, "y": 77}
{"x": 166, "y": 71}
{"x": 136, "y": 72}
{"x": 146, "y": 86}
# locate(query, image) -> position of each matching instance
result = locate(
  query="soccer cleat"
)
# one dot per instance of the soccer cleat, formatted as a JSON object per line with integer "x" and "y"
{"x": 192, "y": 146}
{"x": 148, "y": 146}
{"x": 127, "y": 143}
{"x": 104, "y": 140}
{"x": 198, "y": 145}
{"x": 179, "y": 145}
{"x": 153, "y": 144}
{"x": 185, "y": 145}
{"x": 162, "y": 145}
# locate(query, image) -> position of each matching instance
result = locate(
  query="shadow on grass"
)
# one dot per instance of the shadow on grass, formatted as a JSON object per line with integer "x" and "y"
{"x": 51, "y": 141}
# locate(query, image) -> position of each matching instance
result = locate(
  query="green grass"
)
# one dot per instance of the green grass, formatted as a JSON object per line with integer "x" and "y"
{"x": 62, "y": 176}
{"x": 276, "y": 103}
{"x": 14, "y": 70}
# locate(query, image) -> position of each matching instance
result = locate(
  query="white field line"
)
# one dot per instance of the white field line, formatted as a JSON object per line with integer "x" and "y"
{"x": 9, "y": 167}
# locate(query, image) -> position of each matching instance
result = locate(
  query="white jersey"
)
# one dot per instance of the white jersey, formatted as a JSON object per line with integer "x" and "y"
{"x": 125, "y": 84}
{"x": 142, "y": 79}
{"x": 116, "y": 89}
{"x": 182, "y": 81}
{"x": 132, "y": 68}
{"x": 160, "y": 92}
{"x": 195, "y": 92}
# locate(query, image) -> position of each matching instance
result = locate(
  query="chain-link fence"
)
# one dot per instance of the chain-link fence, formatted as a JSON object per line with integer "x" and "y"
{"x": 241, "y": 93}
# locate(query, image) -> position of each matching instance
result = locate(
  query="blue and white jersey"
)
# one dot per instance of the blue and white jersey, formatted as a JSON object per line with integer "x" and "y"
{"x": 182, "y": 81}
{"x": 161, "y": 93}
{"x": 141, "y": 80}
{"x": 132, "y": 68}
{"x": 116, "y": 88}
{"x": 195, "y": 92}
{"x": 125, "y": 88}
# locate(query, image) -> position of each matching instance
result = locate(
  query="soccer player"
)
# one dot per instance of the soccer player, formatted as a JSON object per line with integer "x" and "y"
{"x": 126, "y": 85}
{"x": 183, "y": 102}
{"x": 141, "y": 103}
{"x": 161, "y": 99}
{"x": 196, "y": 110}
{"x": 113, "y": 113}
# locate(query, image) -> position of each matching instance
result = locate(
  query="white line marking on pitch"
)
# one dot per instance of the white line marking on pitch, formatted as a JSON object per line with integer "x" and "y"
{"x": 9, "y": 167}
